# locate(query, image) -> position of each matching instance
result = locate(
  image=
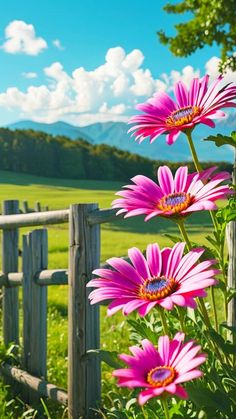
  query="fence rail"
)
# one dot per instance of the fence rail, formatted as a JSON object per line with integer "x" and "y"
{"x": 84, "y": 376}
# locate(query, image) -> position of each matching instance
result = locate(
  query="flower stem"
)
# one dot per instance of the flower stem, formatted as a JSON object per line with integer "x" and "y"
{"x": 184, "y": 233}
{"x": 214, "y": 221}
{"x": 181, "y": 316}
{"x": 163, "y": 321}
{"x": 193, "y": 151}
{"x": 165, "y": 407}
{"x": 189, "y": 246}
{"x": 214, "y": 308}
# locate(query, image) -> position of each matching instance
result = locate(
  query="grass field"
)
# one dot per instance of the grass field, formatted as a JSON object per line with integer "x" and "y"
{"x": 117, "y": 237}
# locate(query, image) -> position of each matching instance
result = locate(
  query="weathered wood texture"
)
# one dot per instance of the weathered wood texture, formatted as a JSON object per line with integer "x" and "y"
{"x": 231, "y": 241}
{"x": 102, "y": 216}
{"x": 34, "y": 383}
{"x": 34, "y": 219}
{"x": 54, "y": 217}
{"x": 35, "y": 252}
{"x": 45, "y": 277}
{"x": 10, "y": 264}
{"x": 83, "y": 372}
{"x": 25, "y": 207}
{"x": 37, "y": 207}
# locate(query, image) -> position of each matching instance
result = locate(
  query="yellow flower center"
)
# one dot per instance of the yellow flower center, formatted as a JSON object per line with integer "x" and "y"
{"x": 175, "y": 202}
{"x": 157, "y": 288}
{"x": 161, "y": 376}
{"x": 182, "y": 116}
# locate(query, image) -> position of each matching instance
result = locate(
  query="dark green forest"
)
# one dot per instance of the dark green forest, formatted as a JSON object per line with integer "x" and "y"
{"x": 38, "y": 153}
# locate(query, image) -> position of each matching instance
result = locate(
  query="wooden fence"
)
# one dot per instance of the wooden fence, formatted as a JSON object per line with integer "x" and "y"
{"x": 83, "y": 393}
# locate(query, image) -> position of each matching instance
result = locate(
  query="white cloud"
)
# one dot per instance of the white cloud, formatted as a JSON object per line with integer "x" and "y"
{"x": 186, "y": 75}
{"x": 57, "y": 44}
{"x": 107, "y": 93}
{"x": 212, "y": 67}
{"x": 29, "y": 75}
{"x": 21, "y": 38}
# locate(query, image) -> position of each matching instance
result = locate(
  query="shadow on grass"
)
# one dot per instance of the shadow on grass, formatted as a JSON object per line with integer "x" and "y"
{"x": 58, "y": 308}
{"x": 24, "y": 179}
{"x": 197, "y": 223}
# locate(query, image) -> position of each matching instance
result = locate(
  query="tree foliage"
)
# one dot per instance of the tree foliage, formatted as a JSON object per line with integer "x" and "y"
{"x": 211, "y": 21}
{"x": 38, "y": 153}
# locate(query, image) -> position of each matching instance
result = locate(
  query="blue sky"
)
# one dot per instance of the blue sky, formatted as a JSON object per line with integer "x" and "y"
{"x": 68, "y": 35}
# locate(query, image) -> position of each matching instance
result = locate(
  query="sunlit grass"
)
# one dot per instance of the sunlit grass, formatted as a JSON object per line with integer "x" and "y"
{"x": 116, "y": 238}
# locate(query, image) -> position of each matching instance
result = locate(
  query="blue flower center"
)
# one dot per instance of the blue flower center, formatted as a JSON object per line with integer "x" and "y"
{"x": 161, "y": 374}
{"x": 175, "y": 203}
{"x": 175, "y": 199}
{"x": 182, "y": 116}
{"x": 182, "y": 113}
{"x": 156, "y": 285}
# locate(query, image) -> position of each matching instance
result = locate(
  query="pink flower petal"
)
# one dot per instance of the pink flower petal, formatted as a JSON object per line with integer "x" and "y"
{"x": 163, "y": 348}
{"x": 174, "y": 259}
{"x": 188, "y": 376}
{"x": 145, "y": 308}
{"x": 172, "y": 137}
{"x": 146, "y": 395}
{"x": 139, "y": 262}
{"x": 154, "y": 259}
{"x": 166, "y": 180}
{"x": 181, "y": 392}
{"x": 181, "y": 178}
{"x": 132, "y": 305}
{"x": 125, "y": 269}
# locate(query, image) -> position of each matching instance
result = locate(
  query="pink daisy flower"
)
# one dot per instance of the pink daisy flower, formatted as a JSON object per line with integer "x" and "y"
{"x": 164, "y": 278}
{"x": 197, "y": 105}
{"x": 161, "y": 370}
{"x": 174, "y": 197}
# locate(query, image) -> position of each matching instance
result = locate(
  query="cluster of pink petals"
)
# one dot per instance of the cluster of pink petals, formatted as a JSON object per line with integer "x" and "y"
{"x": 182, "y": 358}
{"x": 198, "y": 191}
{"x": 167, "y": 270}
{"x": 198, "y": 104}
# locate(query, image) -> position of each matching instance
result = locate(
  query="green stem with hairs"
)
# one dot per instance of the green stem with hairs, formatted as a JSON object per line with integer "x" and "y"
{"x": 193, "y": 151}
{"x": 165, "y": 407}
{"x": 214, "y": 220}
{"x": 214, "y": 308}
{"x": 184, "y": 233}
{"x": 201, "y": 303}
{"x": 198, "y": 167}
{"x": 181, "y": 316}
{"x": 163, "y": 321}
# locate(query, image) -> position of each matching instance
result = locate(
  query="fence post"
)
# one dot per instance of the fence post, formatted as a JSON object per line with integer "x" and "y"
{"x": 37, "y": 207}
{"x": 25, "y": 207}
{"x": 10, "y": 264}
{"x": 84, "y": 376}
{"x": 231, "y": 241}
{"x": 35, "y": 255}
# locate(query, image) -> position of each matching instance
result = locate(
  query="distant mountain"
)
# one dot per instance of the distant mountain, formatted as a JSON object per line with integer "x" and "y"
{"x": 57, "y": 128}
{"x": 115, "y": 134}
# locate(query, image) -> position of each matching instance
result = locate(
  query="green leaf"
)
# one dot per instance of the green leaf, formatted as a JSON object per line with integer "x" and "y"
{"x": 204, "y": 397}
{"x": 220, "y": 139}
{"x": 226, "y": 347}
{"x": 231, "y": 328}
{"x": 109, "y": 357}
{"x": 231, "y": 293}
{"x": 130, "y": 403}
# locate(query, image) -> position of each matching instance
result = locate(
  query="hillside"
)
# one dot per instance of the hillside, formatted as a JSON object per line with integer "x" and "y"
{"x": 38, "y": 153}
{"x": 115, "y": 134}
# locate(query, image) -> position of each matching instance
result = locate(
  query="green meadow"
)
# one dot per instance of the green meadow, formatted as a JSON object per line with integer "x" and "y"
{"x": 116, "y": 238}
